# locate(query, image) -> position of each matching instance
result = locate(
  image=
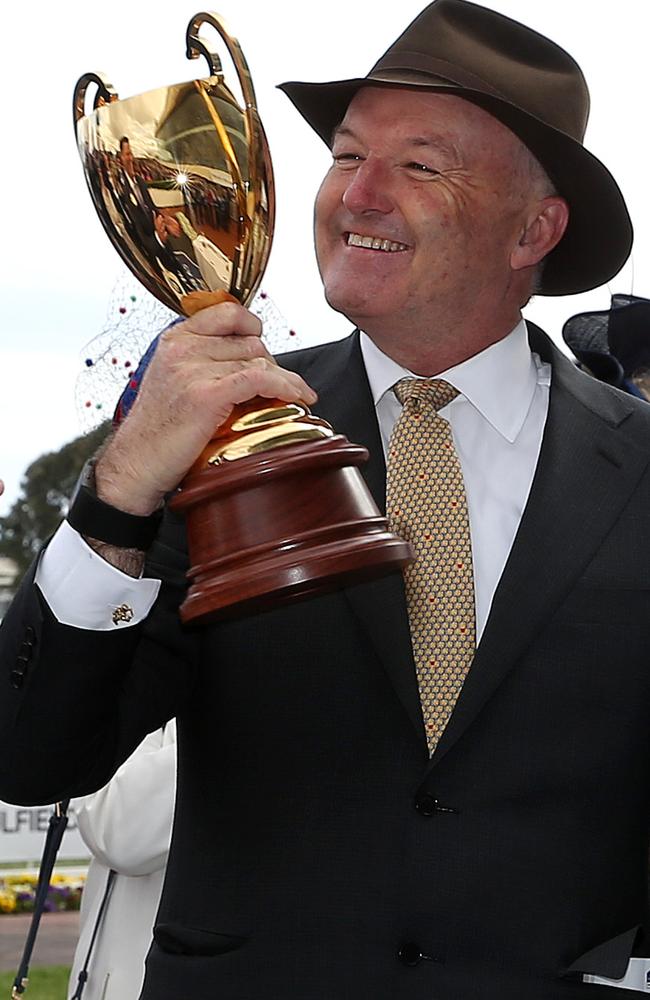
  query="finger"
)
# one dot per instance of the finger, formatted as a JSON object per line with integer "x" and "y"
{"x": 262, "y": 376}
{"x": 270, "y": 382}
{"x": 193, "y": 302}
{"x": 226, "y": 319}
{"x": 184, "y": 347}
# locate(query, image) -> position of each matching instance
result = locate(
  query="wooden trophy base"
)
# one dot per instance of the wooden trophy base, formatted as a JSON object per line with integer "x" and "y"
{"x": 285, "y": 523}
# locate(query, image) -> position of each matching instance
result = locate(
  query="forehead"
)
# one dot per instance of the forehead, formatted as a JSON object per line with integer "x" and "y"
{"x": 400, "y": 110}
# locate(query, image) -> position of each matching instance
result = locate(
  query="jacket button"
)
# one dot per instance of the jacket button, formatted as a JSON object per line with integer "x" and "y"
{"x": 410, "y": 954}
{"x": 426, "y": 804}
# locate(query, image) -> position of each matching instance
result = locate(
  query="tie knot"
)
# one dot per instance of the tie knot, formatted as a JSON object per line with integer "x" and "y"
{"x": 421, "y": 392}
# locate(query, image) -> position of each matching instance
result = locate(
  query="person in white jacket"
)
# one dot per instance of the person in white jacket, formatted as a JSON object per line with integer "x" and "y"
{"x": 127, "y": 828}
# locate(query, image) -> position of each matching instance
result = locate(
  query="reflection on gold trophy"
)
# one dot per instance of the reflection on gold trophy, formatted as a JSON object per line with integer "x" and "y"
{"x": 182, "y": 180}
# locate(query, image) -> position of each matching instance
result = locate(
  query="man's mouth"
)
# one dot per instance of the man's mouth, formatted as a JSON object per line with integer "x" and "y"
{"x": 375, "y": 243}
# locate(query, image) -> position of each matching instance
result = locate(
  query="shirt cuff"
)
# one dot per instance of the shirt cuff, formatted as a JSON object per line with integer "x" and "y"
{"x": 85, "y": 591}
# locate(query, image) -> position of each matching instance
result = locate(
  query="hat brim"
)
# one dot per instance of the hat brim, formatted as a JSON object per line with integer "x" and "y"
{"x": 599, "y": 235}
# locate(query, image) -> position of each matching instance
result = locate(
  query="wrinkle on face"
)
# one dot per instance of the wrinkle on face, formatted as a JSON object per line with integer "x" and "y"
{"x": 437, "y": 173}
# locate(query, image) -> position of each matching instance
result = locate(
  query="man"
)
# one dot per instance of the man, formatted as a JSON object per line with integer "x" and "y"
{"x": 140, "y": 214}
{"x": 369, "y": 803}
{"x": 149, "y": 228}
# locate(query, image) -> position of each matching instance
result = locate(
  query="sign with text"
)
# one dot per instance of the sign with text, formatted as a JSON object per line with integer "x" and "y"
{"x": 23, "y": 830}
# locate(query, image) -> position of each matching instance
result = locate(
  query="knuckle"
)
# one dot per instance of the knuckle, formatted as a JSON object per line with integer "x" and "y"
{"x": 254, "y": 348}
{"x": 230, "y": 313}
{"x": 262, "y": 363}
{"x": 172, "y": 349}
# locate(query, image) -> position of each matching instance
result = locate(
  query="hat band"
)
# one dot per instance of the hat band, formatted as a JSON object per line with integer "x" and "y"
{"x": 418, "y": 62}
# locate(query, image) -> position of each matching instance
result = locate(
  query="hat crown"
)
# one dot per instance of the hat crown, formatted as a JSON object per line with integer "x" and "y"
{"x": 484, "y": 51}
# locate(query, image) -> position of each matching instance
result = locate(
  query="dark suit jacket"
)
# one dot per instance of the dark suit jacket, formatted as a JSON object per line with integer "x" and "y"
{"x": 317, "y": 853}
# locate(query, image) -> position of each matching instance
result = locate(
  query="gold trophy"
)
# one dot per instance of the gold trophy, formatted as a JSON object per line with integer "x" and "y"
{"x": 182, "y": 180}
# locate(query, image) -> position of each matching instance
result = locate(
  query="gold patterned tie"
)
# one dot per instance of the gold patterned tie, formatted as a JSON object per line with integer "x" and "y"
{"x": 426, "y": 505}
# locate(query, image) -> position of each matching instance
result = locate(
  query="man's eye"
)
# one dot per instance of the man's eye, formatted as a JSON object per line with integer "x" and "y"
{"x": 422, "y": 168}
{"x": 343, "y": 158}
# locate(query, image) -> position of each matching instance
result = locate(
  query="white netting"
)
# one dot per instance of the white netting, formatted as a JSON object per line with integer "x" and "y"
{"x": 133, "y": 319}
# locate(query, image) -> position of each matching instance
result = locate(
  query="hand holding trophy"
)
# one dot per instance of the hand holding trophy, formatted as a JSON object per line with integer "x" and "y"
{"x": 182, "y": 180}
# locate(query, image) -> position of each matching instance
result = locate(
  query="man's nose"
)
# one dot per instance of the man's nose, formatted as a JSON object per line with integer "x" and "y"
{"x": 368, "y": 189}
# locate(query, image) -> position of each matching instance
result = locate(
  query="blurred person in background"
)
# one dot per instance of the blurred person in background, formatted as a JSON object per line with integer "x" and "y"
{"x": 613, "y": 344}
{"x": 127, "y": 828}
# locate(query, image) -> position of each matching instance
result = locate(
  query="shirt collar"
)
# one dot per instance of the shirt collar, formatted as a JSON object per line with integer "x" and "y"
{"x": 499, "y": 382}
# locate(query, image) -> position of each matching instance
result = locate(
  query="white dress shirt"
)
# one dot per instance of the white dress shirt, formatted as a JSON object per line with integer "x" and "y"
{"x": 497, "y": 423}
{"x": 83, "y": 590}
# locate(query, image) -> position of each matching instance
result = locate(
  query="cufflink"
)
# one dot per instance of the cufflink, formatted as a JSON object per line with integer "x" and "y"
{"x": 123, "y": 613}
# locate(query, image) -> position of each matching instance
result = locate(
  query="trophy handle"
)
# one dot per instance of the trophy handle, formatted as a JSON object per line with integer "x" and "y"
{"x": 261, "y": 166}
{"x": 197, "y": 47}
{"x": 106, "y": 94}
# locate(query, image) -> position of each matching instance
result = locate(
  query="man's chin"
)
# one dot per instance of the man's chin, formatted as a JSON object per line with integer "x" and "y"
{"x": 350, "y": 306}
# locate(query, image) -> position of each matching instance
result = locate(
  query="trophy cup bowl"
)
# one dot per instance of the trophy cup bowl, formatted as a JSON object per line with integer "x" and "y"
{"x": 182, "y": 181}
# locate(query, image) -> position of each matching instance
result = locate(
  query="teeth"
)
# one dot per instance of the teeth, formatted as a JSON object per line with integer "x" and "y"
{"x": 375, "y": 243}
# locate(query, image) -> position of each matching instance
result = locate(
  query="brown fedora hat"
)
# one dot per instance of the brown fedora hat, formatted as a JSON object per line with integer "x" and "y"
{"x": 531, "y": 85}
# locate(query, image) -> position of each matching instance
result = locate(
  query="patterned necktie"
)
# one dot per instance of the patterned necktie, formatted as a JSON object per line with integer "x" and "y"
{"x": 426, "y": 505}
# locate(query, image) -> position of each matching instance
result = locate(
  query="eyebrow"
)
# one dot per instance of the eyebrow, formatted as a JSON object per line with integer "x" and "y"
{"x": 433, "y": 141}
{"x": 341, "y": 130}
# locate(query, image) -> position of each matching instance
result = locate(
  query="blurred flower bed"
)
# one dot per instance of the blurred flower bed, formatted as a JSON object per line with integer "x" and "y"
{"x": 17, "y": 893}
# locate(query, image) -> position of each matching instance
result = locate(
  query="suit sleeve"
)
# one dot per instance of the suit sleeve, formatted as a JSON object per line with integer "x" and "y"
{"x": 75, "y": 703}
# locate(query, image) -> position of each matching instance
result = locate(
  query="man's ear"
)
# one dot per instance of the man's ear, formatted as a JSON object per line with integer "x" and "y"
{"x": 543, "y": 231}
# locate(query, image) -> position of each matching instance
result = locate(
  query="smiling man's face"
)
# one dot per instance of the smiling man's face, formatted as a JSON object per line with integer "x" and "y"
{"x": 423, "y": 203}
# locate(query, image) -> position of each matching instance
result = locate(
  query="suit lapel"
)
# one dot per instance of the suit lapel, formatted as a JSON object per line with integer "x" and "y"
{"x": 586, "y": 456}
{"x": 587, "y": 468}
{"x": 338, "y": 374}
